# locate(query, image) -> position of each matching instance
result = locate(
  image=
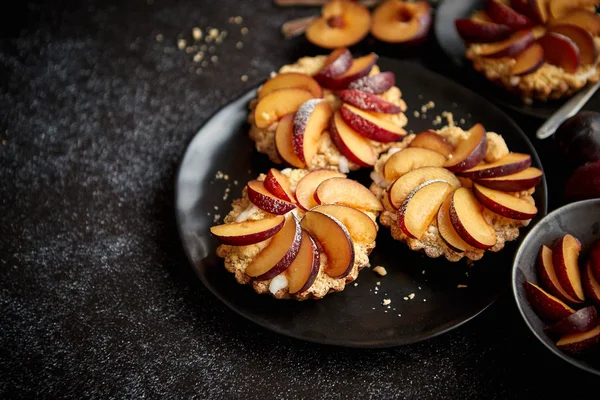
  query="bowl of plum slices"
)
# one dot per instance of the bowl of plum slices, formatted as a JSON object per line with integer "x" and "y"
{"x": 556, "y": 282}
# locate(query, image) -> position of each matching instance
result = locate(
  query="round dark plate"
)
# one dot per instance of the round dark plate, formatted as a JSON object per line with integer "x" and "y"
{"x": 452, "y": 44}
{"x": 356, "y": 316}
{"x": 582, "y": 220}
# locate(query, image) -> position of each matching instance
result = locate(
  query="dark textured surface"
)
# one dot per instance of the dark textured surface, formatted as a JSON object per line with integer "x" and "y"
{"x": 96, "y": 296}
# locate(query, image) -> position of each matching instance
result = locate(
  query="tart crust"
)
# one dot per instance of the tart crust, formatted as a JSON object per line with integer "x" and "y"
{"x": 328, "y": 156}
{"x": 237, "y": 258}
{"x": 549, "y": 82}
{"x": 431, "y": 243}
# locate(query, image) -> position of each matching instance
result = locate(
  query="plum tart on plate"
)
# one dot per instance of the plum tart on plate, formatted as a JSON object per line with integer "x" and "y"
{"x": 334, "y": 112}
{"x": 455, "y": 193}
{"x": 537, "y": 49}
{"x": 299, "y": 234}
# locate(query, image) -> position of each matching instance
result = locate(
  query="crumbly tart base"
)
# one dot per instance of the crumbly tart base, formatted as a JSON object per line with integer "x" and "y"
{"x": 237, "y": 258}
{"x": 328, "y": 156}
{"x": 549, "y": 82}
{"x": 431, "y": 243}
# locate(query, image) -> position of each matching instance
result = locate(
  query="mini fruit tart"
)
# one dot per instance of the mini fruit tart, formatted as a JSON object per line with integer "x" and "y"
{"x": 333, "y": 112}
{"x": 299, "y": 234}
{"x": 455, "y": 194}
{"x": 537, "y": 49}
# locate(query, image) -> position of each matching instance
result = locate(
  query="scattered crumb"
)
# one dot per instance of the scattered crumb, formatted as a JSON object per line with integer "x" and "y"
{"x": 437, "y": 120}
{"x": 461, "y": 286}
{"x": 461, "y": 121}
{"x": 411, "y": 296}
{"x": 198, "y": 57}
{"x": 216, "y": 207}
{"x": 214, "y": 59}
{"x": 217, "y": 217}
{"x": 454, "y": 105}
{"x": 380, "y": 270}
{"x": 212, "y": 49}
{"x": 219, "y": 175}
{"x": 416, "y": 114}
{"x": 226, "y": 177}
{"x": 424, "y": 300}
{"x": 3, "y": 142}
{"x": 160, "y": 37}
{"x": 385, "y": 311}
{"x": 420, "y": 97}
{"x": 378, "y": 283}
{"x": 244, "y": 31}
{"x": 386, "y": 302}
{"x": 235, "y": 182}
{"x": 449, "y": 117}
{"x": 355, "y": 283}
{"x": 203, "y": 47}
{"x": 244, "y": 78}
{"x": 427, "y": 106}
{"x": 181, "y": 43}
{"x": 399, "y": 315}
{"x": 236, "y": 20}
{"x": 213, "y": 32}
{"x": 199, "y": 71}
{"x": 423, "y": 116}
{"x": 405, "y": 298}
{"x": 239, "y": 45}
{"x": 196, "y": 33}
{"x": 205, "y": 64}
{"x": 423, "y": 272}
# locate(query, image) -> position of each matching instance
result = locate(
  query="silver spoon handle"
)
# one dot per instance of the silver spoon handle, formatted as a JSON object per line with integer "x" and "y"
{"x": 569, "y": 109}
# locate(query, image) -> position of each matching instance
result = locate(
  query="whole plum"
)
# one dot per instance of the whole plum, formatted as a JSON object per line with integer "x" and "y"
{"x": 578, "y": 137}
{"x": 584, "y": 182}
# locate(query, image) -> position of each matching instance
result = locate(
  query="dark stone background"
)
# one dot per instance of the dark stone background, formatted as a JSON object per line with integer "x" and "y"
{"x": 96, "y": 296}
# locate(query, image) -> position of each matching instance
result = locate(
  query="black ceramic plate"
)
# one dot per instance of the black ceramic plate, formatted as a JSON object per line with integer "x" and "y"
{"x": 582, "y": 220}
{"x": 354, "y": 317}
{"x": 452, "y": 44}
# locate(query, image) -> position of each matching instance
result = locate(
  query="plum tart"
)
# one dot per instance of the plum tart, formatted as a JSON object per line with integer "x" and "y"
{"x": 455, "y": 193}
{"x": 537, "y": 49}
{"x": 334, "y": 112}
{"x": 299, "y": 234}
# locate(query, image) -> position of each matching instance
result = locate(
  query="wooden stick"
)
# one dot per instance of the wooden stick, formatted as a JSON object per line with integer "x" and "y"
{"x": 297, "y": 27}
{"x": 300, "y": 3}
{"x": 317, "y": 3}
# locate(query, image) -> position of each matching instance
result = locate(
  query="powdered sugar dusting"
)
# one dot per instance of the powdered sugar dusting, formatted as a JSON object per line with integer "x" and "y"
{"x": 343, "y": 164}
{"x": 278, "y": 283}
{"x": 374, "y": 84}
{"x": 246, "y": 213}
{"x": 368, "y": 101}
{"x": 304, "y": 112}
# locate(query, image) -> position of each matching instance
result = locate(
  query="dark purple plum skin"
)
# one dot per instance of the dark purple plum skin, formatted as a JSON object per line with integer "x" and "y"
{"x": 578, "y": 137}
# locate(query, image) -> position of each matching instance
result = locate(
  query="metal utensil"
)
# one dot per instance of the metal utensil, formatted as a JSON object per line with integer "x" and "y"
{"x": 569, "y": 109}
